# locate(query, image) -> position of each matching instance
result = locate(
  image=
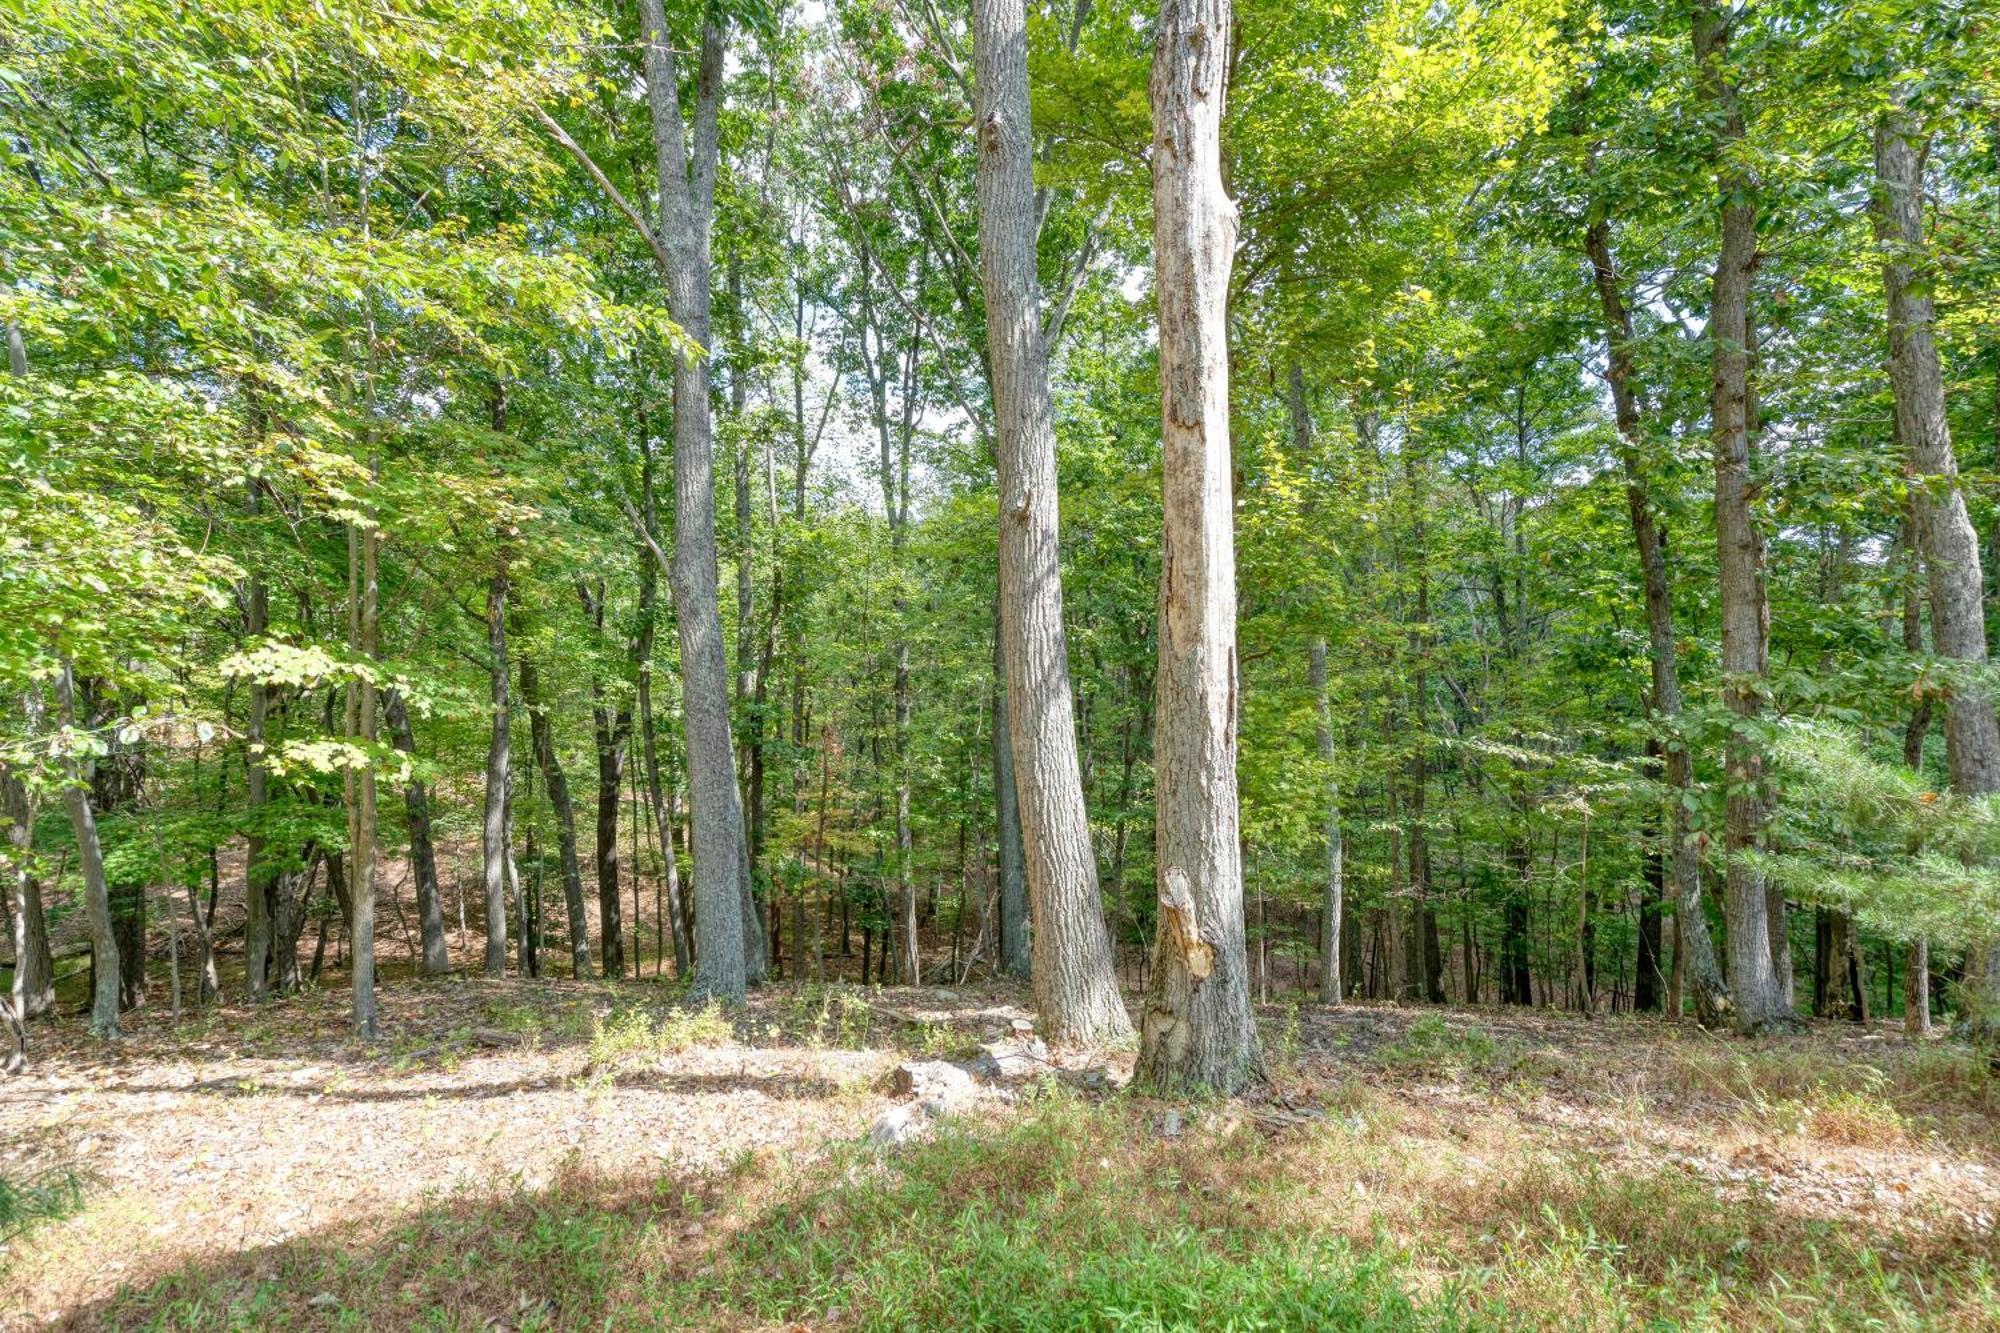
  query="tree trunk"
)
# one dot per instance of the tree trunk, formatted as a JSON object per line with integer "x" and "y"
{"x": 1943, "y": 528}
{"x": 423, "y": 854}
{"x": 731, "y": 945}
{"x": 96, "y": 889}
{"x": 1076, "y": 989}
{"x": 1197, "y": 1029}
{"x": 649, "y": 742}
{"x": 542, "y": 739}
{"x": 1334, "y": 895}
{"x": 1683, "y": 860}
{"x": 1015, "y": 956}
{"x": 34, "y": 968}
{"x": 499, "y": 749}
{"x": 1756, "y": 991}
{"x": 257, "y": 880}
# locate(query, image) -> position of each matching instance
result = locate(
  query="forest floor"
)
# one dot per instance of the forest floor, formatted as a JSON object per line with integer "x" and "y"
{"x": 547, "y": 1154}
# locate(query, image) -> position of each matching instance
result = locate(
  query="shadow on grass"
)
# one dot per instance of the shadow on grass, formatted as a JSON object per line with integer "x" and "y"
{"x": 1078, "y": 1216}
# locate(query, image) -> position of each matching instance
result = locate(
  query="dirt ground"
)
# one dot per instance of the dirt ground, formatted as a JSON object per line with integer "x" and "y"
{"x": 241, "y": 1129}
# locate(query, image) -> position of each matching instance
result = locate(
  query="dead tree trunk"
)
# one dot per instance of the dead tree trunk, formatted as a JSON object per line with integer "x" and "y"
{"x": 1196, "y": 1029}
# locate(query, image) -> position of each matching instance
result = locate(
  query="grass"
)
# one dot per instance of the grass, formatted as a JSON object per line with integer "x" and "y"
{"x": 639, "y": 1032}
{"x": 46, "y": 1196}
{"x": 1074, "y": 1215}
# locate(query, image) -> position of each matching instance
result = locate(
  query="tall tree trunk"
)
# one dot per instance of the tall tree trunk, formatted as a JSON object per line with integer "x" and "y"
{"x": 257, "y": 877}
{"x": 499, "y": 750}
{"x": 649, "y": 740}
{"x": 1076, "y": 989}
{"x": 731, "y": 946}
{"x": 1010, "y": 860}
{"x": 362, "y": 705}
{"x": 542, "y": 739}
{"x": 1756, "y": 990}
{"x": 1197, "y": 1029}
{"x": 1334, "y": 890}
{"x": 423, "y": 854}
{"x": 1683, "y": 860}
{"x": 96, "y": 889}
{"x": 1943, "y": 528}
{"x": 1333, "y": 900}
{"x": 34, "y": 969}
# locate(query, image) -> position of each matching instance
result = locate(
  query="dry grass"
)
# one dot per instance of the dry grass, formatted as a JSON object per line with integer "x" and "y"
{"x": 1476, "y": 1170}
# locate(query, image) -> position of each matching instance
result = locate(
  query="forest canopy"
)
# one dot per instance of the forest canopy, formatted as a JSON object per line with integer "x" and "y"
{"x": 682, "y": 490}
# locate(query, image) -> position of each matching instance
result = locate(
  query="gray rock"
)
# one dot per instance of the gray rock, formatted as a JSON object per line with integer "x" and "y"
{"x": 939, "y": 1081}
{"x": 1005, "y": 1061}
{"x": 899, "y": 1125}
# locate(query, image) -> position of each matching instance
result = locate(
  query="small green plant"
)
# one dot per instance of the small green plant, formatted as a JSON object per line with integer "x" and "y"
{"x": 1434, "y": 1044}
{"x": 1285, "y": 1041}
{"x": 627, "y": 1033}
{"x": 47, "y": 1196}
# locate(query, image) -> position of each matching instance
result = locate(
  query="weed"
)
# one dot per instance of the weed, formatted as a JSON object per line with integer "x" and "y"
{"x": 1431, "y": 1043}
{"x": 47, "y": 1196}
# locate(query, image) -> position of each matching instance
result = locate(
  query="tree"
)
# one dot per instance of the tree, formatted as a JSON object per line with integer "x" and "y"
{"x": 1076, "y": 990}
{"x": 1197, "y": 1029}
{"x": 1941, "y": 526}
{"x": 1758, "y": 992}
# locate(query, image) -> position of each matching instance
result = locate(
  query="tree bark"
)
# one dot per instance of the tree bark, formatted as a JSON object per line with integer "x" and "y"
{"x": 257, "y": 879}
{"x": 1010, "y": 860}
{"x": 1197, "y": 1029}
{"x": 1076, "y": 989}
{"x": 34, "y": 969}
{"x": 1333, "y": 900}
{"x": 1942, "y": 526}
{"x": 542, "y": 739}
{"x": 423, "y": 853}
{"x": 1756, "y": 990}
{"x": 1683, "y": 860}
{"x": 96, "y": 889}
{"x": 499, "y": 750}
{"x": 730, "y": 942}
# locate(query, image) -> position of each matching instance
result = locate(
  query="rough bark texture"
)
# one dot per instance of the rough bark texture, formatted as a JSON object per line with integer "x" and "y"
{"x": 423, "y": 854}
{"x": 1758, "y": 996}
{"x": 727, "y": 943}
{"x": 256, "y": 878}
{"x": 608, "y": 729}
{"x": 1196, "y": 1029}
{"x": 1334, "y": 892}
{"x": 542, "y": 739}
{"x": 1942, "y": 527}
{"x": 1010, "y": 861}
{"x": 499, "y": 750}
{"x": 1683, "y": 861}
{"x": 96, "y": 890}
{"x": 1075, "y": 986}
{"x": 34, "y": 970}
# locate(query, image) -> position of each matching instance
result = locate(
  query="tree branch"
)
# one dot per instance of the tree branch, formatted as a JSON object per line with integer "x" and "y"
{"x": 624, "y": 205}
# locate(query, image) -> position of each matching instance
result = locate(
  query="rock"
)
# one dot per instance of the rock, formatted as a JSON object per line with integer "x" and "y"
{"x": 932, "y": 1081}
{"x": 1170, "y": 1128}
{"x": 899, "y": 1125}
{"x": 1094, "y": 1079}
{"x": 1023, "y": 1027}
{"x": 1007, "y": 1060}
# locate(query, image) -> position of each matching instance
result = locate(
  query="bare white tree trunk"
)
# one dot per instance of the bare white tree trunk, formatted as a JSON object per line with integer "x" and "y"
{"x": 1076, "y": 989}
{"x": 1942, "y": 527}
{"x": 729, "y": 942}
{"x": 1196, "y": 1029}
